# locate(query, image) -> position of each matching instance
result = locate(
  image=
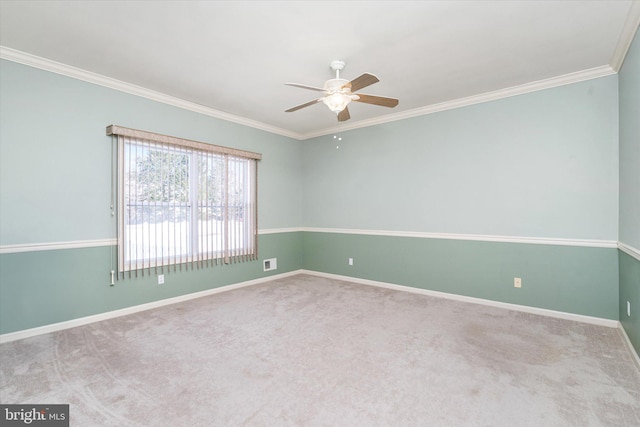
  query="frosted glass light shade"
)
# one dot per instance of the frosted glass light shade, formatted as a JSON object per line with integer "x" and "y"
{"x": 337, "y": 101}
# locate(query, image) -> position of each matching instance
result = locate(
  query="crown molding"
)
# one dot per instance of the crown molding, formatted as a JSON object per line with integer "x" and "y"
{"x": 88, "y": 76}
{"x": 579, "y": 76}
{"x": 626, "y": 36}
{"x": 91, "y": 77}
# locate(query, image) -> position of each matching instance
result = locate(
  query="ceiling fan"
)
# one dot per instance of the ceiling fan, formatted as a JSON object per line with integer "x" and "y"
{"x": 338, "y": 93}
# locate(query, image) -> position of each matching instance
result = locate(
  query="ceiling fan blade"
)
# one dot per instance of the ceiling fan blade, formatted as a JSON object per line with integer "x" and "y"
{"x": 377, "y": 100}
{"x": 344, "y": 115}
{"x": 297, "y": 107}
{"x": 361, "y": 82}
{"x": 305, "y": 87}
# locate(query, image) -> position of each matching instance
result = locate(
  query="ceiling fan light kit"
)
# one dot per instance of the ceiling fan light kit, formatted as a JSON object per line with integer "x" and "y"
{"x": 338, "y": 101}
{"x": 339, "y": 93}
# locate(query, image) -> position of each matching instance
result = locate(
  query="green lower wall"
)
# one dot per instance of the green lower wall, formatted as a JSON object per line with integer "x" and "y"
{"x": 580, "y": 280}
{"x": 45, "y": 287}
{"x": 630, "y": 291}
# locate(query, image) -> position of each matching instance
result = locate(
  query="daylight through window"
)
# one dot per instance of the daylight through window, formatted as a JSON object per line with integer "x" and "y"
{"x": 183, "y": 203}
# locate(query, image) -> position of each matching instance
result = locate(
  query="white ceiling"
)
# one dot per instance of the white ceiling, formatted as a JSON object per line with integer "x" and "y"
{"x": 234, "y": 57}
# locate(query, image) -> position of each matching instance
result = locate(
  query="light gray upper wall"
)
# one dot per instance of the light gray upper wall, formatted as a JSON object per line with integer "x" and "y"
{"x": 630, "y": 146}
{"x": 543, "y": 164}
{"x": 55, "y": 162}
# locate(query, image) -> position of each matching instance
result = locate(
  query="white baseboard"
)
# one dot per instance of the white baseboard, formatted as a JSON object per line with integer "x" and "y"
{"x": 12, "y": 336}
{"x": 26, "y": 333}
{"x": 516, "y": 307}
{"x": 632, "y": 350}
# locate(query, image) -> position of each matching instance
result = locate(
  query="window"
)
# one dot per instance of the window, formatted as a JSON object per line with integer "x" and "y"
{"x": 183, "y": 203}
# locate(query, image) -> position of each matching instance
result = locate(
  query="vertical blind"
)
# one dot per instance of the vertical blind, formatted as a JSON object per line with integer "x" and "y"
{"x": 182, "y": 203}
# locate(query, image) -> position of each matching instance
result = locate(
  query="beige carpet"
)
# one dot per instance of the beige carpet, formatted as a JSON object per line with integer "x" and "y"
{"x": 318, "y": 352}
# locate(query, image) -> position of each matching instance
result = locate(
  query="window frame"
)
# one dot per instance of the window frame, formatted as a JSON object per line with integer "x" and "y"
{"x": 234, "y": 248}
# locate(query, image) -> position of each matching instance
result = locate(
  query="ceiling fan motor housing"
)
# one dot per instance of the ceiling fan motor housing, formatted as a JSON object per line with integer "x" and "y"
{"x": 336, "y": 85}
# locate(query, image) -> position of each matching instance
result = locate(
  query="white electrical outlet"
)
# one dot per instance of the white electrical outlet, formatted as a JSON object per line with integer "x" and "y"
{"x": 517, "y": 282}
{"x": 350, "y": 261}
{"x": 628, "y": 309}
{"x": 160, "y": 279}
{"x": 270, "y": 264}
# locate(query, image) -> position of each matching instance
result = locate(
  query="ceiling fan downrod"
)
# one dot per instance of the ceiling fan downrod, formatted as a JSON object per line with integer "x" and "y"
{"x": 337, "y": 66}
